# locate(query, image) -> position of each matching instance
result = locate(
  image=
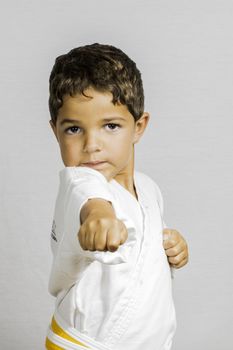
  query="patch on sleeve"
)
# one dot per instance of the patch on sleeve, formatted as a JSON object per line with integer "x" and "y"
{"x": 53, "y": 231}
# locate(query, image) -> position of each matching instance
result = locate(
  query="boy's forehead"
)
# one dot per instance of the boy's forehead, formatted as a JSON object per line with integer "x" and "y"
{"x": 88, "y": 95}
{"x": 92, "y": 101}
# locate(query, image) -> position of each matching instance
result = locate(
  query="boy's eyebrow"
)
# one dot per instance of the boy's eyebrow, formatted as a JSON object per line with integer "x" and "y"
{"x": 64, "y": 121}
{"x": 78, "y": 121}
{"x": 112, "y": 118}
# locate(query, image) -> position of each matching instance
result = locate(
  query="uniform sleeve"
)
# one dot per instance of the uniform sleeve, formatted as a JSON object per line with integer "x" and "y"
{"x": 77, "y": 185}
{"x": 85, "y": 184}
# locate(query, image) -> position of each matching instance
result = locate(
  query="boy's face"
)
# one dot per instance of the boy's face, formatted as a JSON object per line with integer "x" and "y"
{"x": 100, "y": 131}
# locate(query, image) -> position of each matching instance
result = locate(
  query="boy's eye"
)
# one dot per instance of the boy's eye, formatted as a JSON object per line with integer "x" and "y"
{"x": 113, "y": 126}
{"x": 73, "y": 129}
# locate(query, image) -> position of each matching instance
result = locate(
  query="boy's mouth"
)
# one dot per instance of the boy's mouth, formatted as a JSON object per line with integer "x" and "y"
{"x": 93, "y": 164}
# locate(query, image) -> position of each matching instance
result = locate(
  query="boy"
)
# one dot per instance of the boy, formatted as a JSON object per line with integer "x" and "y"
{"x": 110, "y": 273}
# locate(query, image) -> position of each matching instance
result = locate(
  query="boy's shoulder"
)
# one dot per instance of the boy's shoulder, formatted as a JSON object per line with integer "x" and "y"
{"x": 143, "y": 176}
{"x": 72, "y": 175}
{"x": 148, "y": 182}
{"x": 151, "y": 188}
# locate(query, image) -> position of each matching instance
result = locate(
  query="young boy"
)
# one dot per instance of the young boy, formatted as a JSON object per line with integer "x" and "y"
{"x": 110, "y": 275}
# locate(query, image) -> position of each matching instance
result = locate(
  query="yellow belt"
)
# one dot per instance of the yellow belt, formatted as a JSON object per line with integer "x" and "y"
{"x": 61, "y": 333}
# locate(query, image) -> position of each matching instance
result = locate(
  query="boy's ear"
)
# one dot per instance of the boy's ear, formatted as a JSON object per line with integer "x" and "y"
{"x": 140, "y": 126}
{"x": 53, "y": 128}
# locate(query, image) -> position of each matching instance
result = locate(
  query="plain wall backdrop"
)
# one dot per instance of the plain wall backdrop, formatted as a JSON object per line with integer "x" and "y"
{"x": 185, "y": 54}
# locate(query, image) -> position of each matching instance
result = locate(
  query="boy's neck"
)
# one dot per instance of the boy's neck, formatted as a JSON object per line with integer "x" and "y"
{"x": 126, "y": 178}
{"x": 128, "y": 185}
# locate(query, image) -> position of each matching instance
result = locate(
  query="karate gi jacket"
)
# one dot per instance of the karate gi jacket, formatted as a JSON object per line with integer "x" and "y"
{"x": 106, "y": 300}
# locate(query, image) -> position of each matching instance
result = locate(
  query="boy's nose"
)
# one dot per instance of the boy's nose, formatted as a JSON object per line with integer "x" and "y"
{"x": 91, "y": 144}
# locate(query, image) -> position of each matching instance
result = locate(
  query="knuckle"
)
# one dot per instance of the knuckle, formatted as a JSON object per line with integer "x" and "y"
{"x": 104, "y": 222}
{"x": 176, "y": 260}
{"x": 99, "y": 246}
{"x": 176, "y": 235}
{"x": 174, "y": 251}
{"x": 92, "y": 224}
{"x": 98, "y": 221}
{"x": 89, "y": 245}
{"x": 173, "y": 242}
{"x": 170, "y": 243}
{"x": 114, "y": 223}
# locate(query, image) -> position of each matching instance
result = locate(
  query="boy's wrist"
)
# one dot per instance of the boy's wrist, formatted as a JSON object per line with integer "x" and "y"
{"x": 96, "y": 207}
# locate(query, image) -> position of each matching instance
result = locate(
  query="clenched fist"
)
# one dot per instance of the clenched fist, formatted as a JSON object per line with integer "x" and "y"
{"x": 176, "y": 248}
{"x": 100, "y": 229}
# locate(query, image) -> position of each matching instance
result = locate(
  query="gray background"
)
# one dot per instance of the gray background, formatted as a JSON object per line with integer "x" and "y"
{"x": 185, "y": 53}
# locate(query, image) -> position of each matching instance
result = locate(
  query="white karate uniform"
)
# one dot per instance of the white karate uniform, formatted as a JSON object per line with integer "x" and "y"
{"x": 105, "y": 300}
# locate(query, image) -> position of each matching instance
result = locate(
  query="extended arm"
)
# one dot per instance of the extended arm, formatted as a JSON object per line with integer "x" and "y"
{"x": 100, "y": 230}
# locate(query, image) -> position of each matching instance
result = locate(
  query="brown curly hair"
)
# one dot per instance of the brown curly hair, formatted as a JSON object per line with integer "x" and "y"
{"x": 102, "y": 67}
